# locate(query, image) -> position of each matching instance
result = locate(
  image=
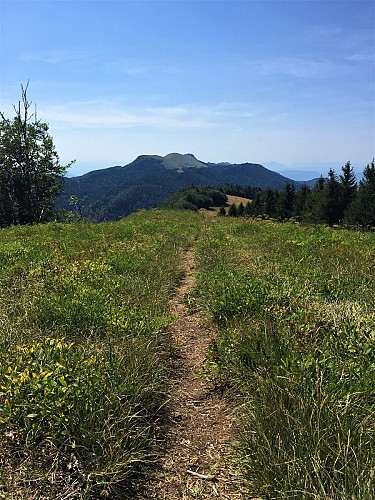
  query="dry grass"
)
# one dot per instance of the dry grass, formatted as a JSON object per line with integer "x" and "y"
{"x": 237, "y": 200}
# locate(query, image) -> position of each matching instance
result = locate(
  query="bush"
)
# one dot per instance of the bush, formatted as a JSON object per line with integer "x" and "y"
{"x": 55, "y": 392}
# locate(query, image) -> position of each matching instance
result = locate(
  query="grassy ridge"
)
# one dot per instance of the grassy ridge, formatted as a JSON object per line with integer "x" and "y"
{"x": 295, "y": 307}
{"x": 82, "y": 311}
{"x": 83, "y": 315}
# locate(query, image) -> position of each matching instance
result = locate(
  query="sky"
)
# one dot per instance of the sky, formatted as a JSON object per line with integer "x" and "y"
{"x": 291, "y": 82}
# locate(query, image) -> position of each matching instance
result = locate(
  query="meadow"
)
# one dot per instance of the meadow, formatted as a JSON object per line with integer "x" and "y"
{"x": 295, "y": 308}
{"x": 83, "y": 314}
{"x": 84, "y": 349}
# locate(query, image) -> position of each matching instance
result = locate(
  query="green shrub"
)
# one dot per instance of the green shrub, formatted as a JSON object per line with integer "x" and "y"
{"x": 97, "y": 404}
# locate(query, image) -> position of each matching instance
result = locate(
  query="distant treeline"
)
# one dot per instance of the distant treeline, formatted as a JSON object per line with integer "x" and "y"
{"x": 196, "y": 197}
{"x": 335, "y": 200}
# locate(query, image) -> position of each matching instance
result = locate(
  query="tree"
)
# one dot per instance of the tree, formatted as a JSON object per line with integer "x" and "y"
{"x": 30, "y": 171}
{"x": 332, "y": 200}
{"x": 240, "y": 210}
{"x": 302, "y": 201}
{"x": 256, "y": 206}
{"x": 348, "y": 186}
{"x": 315, "y": 208}
{"x": 270, "y": 202}
{"x": 362, "y": 209}
{"x": 218, "y": 197}
{"x": 232, "y": 211}
{"x": 222, "y": 212}
{"x": 287, "y": 200}
{"x": 247, "y": 211}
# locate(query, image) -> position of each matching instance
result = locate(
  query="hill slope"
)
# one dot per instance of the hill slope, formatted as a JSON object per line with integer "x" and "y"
{"x": 97, "y": 332}
{"x": 115, "y": 192}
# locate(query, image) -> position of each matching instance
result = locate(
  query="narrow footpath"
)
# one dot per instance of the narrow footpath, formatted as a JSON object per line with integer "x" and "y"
{"x": 199, "y": 419}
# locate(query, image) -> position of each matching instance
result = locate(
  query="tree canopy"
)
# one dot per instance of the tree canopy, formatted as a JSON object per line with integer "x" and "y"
{"x": 30, "y": 171}
{"x": 196, "y": 197}
{"x": 334, "y": 200}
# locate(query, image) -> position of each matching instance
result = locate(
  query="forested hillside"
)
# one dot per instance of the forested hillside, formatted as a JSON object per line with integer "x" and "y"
{"x": 112, "y": 193}
{"x": 335, "y": 200}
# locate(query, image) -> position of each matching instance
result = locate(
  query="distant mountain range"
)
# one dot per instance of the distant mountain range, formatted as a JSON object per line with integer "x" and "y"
{"x": 115, "y": 192}
{"x": 308, "y": 171}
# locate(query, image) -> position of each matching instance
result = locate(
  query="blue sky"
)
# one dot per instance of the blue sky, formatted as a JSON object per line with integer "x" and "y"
{"x": 258, "y": 81}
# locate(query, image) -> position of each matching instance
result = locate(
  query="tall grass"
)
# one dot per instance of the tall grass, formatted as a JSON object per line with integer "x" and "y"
{"x": 295, "y": 307}
{"x": 83, "y": 312}
{"x": 84, "y": 309}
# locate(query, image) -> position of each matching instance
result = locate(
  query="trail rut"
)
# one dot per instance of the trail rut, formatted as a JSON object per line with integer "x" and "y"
{"x": 199, "y": 419}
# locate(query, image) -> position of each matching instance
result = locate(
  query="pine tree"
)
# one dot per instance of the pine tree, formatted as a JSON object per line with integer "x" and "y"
{"x": 270, "y": 202}
{"x": 302, "y": 201}
{"x": 332, "y": 200}
{"x": 247, "y": 211}
{"x": 232, "y": 212}
{"x": 316, "y": 202}
{"x": 348, "y": 186}
{"x": 222, "y": 212}
{"x": 287, "y": 200}
{"x": 256, "y": 206}
{"x": 362, "y": 209}
{"x": 240, "y": 210}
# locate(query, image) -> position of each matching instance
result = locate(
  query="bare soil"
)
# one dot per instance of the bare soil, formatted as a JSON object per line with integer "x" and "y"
{"x": 199, "y": 418}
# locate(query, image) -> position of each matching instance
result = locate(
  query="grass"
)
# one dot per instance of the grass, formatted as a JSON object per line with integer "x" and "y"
{"x": 84, "y": 312}
{"x": 295, "y": 308}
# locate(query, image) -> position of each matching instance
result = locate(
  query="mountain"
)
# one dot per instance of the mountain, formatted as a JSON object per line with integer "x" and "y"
{"x": 300, "y": 175}
{"x": 306, "y": 172}
{"x": 297, "y": 173}
{"x": 115, "y": 192}
{"x": 179, "y": 162}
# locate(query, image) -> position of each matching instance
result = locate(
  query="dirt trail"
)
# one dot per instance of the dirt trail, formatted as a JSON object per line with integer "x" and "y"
{"x": 198, "y": 419}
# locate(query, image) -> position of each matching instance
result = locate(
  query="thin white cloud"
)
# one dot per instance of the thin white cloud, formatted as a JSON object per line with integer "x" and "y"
{"x": 301, "y": 68}
{"x": 50, "y": 56}
{"x": 361, "y": 57}
{"x": 128, "y": 68}
{"x": 133, "y": 68}
{"x": 115, "y": 115}
{"x": 342, "y": 40}
{"x": 323, "y": 32}
{"x": 94, "y": 114}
